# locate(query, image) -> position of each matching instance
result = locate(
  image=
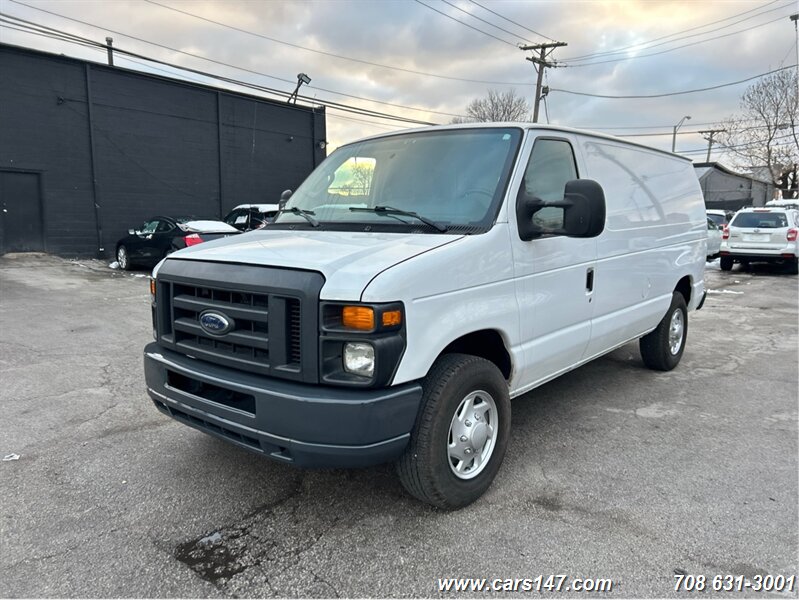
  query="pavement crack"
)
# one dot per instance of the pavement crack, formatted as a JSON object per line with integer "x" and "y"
{"x": 326, "y": 583}
{"x": 45, "y": 557}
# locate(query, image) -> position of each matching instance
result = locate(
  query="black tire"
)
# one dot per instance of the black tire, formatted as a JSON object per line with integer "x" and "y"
{"x": 726, "y": 263}
{"x": 793, "y": 267}
{"x": 123, "y": 258}
{"x": 656, "y": 347}
{"x": 424, "y": 469}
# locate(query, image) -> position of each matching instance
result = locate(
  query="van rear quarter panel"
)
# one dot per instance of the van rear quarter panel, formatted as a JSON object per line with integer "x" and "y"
{"x": 655, "y": 234}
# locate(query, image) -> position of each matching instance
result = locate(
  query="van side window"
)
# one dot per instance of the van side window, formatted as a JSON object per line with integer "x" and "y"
{"x": 550, "y": 167}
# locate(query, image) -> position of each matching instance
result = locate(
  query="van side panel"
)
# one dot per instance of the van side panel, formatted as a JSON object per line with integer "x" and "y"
{"x": 451, "y": 291}
{"x": 655, "y": 234}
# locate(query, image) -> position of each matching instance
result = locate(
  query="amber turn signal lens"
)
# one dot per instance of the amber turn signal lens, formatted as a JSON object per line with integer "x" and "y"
{"x": 358, "y": 317}
{"x": 152, "y": 287}
{"x": 391, "y": 318}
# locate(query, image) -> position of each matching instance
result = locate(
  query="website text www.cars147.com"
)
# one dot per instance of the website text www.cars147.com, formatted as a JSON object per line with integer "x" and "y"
{"x": 542, "y": 583}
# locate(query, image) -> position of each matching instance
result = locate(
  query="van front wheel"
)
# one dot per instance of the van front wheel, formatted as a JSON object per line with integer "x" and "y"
{"x": 461, "y": 432}
{"x": 662, "y": 349}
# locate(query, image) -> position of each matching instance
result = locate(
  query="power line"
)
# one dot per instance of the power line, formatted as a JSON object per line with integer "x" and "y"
{"x": 277, "y": 41}
{"x": 218, "y": 62}
{"x": 55, "y": 34}
{"x": 519, "y": 24}
{"x": 385, "y": 126}
{"x": 718, "y": 37}
{"x": 646, "y": 43}
{"x": 784, "y": 58}
{"x": 456, "y": 7}
{"x": 281, "y": 93}
{"x": 465, "y": 24}
{"x": 683, "y": 132}
{"x": 664, "y": 95}
{"x": 737, "y": 146}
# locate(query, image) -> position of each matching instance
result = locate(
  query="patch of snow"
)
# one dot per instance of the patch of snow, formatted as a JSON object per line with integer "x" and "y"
{"x": 655, "y": 411}
{"x": 723, "y": 292}
{"x": 211, "y": 539}
{"x": 113, "y": 265}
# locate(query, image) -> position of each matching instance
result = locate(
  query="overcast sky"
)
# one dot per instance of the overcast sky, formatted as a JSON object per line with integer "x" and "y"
{"x": 409, "y": 35}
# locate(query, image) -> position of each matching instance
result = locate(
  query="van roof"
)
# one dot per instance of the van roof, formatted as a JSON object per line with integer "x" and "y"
{"x": 521, "y": 125}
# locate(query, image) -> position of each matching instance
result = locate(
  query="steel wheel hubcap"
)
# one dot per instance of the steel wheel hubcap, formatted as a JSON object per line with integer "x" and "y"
{"x": 122, "y": 257}
{"x": 472, "y": 435}
{"x": 676, "y": 332}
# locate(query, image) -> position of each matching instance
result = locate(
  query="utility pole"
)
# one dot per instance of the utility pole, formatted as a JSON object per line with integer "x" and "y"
{"x": 541, "y": 62}
{"x": 710, "y": 132}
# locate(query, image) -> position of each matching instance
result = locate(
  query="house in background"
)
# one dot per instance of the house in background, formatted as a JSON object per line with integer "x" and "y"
{"x": 725, "y": 189}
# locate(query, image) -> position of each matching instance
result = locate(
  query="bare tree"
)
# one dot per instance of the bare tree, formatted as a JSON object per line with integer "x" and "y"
{"x": 362, "y": 178}
{"x": 496, "y": 106}
{"x": 764, "y": 134}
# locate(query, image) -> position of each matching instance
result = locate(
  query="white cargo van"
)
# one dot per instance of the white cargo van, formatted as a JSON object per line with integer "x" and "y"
{"x": 418, "y": 281}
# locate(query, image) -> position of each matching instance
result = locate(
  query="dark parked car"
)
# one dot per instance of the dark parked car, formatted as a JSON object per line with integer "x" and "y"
{"x": 246, "y": 217}
{"x": 160, "y": 236}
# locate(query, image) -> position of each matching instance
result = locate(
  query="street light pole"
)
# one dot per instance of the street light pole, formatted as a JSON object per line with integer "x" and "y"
{"x": 301, "y": 78}
{"x": 674, "y": 135}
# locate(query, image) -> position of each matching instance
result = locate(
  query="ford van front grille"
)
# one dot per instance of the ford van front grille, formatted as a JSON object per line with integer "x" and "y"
{"x": 257, "y": 329}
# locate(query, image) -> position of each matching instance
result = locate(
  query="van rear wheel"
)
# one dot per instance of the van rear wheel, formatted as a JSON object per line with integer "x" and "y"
{"x": 461, "y": 432}
{"x": 662, "y": 349}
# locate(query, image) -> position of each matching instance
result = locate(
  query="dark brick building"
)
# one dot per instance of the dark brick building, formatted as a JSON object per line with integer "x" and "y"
{"x": 89, "y": 150}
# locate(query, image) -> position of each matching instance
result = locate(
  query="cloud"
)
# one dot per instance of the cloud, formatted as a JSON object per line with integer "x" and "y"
{"x": 407, "y": 35}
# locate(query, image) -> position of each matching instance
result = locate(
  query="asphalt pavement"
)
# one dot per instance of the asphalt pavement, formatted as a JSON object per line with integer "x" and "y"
{"x": 613, "y": 471}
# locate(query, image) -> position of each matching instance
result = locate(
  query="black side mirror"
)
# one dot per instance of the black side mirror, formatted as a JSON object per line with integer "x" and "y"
{"x": 284, "y": 197}
{"x": 583, "y": 207}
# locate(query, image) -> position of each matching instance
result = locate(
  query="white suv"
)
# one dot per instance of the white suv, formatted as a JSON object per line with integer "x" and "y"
{"x": 762, "y": 235}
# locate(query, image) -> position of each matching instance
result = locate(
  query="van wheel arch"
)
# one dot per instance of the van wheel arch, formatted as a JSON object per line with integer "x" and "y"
{"x": 485, "y": 343}
{"x": 685, "y": 287}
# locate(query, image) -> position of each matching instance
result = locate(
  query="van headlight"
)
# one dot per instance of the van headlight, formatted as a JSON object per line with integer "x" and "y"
{"x": 359, "y": 358}
{"x": 360, "y": 343}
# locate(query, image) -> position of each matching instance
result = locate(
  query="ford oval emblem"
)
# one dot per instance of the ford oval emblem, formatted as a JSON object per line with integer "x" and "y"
{"x": 215, "y": 323}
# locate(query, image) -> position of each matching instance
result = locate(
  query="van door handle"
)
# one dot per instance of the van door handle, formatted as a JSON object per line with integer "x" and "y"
{"x": 589, "y": 280}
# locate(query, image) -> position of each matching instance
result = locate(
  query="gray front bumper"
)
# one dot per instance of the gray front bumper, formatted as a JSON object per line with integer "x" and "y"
{"x": 307, "y": 425}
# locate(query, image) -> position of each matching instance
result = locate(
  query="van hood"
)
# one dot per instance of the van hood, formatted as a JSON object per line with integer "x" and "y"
{"x": 347, "y": 259}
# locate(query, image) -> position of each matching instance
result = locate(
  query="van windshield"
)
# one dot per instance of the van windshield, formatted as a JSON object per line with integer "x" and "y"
{"x": 451, "y": 179}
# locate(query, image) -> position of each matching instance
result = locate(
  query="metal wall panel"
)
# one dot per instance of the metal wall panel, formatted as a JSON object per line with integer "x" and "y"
{"x": 115, "y": 147}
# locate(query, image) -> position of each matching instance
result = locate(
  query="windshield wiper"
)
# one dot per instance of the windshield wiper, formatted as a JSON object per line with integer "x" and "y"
{"x": 306, "y": 214}
{"x": 390, "y": 210}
